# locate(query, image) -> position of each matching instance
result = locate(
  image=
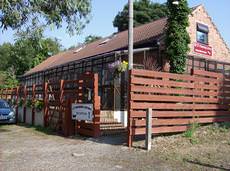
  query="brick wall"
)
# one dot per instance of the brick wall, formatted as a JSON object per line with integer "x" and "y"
{"x": 220, "y": 50}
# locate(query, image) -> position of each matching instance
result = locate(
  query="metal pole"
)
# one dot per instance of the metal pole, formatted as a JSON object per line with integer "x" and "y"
{"x": 130, "y": 34}
{"x": 148, "y": 134}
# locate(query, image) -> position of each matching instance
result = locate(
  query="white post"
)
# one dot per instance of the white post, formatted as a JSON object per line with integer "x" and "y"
{"x": 130, "y": 34}
{"x": 148, "y": 135}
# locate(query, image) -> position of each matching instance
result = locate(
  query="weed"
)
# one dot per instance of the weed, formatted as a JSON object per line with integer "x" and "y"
{"x": 190, "y": 133}
{"x": 45, "y": 130}
{"x": 221, "y": 127}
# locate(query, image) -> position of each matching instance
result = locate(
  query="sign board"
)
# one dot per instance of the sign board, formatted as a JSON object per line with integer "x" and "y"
{"x": 203, "y": 49}
{"x": 82, "y": 112}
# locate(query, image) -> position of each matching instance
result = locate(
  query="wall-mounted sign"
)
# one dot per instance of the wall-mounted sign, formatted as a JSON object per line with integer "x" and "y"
{"x": 203, "y": 49}
{"x": 82, "y": 112}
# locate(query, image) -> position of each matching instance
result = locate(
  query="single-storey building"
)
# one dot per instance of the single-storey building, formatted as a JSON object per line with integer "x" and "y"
{"x": 208, "y": 51}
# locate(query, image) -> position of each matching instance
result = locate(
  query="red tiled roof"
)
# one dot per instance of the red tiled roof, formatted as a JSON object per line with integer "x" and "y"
{"x": 118, "y": 41}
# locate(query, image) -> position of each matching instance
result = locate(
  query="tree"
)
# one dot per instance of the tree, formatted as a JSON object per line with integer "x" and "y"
{"x": 91, "y": 38}
{"x": 145, "y": 11}
{"x": 5, "y": 55}
{"x": 20, "y": 14}
{"x": 8, "y": 79}
{"x": 177, "y": 37}
{"x": 27, "y": 52}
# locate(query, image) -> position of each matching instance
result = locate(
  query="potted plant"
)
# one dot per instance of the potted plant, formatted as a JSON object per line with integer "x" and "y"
{"x": 20, "y": 102}
{"x": 39, "y": 105}
{"x": 29, "y": 103}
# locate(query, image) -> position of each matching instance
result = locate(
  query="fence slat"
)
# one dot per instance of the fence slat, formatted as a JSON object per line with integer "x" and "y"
{"x": 177, "y": 100}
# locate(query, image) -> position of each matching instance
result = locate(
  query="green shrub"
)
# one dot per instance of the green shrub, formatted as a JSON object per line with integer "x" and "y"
{"x": 191, "y": 131}
{"x": 29, "y": 103}
{"x": 20, "y": 102}
{"x": 39, "y": 105}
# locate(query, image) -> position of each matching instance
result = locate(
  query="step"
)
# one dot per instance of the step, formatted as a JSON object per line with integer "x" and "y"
{"x": 113, "y": 132}
{"x": 112, "y": 126}
{"x": 108, "y": 120}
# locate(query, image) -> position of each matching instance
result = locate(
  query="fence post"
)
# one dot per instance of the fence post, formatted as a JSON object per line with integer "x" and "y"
{"x": 68, "y": 123}
{"x": 130, "y": 135}
{"x": 33, "y": 102}
{"x": 24, "y": 104}
{"x": 96, "y": 105}
{"x": 45, "y": 100}
{"x": 17, "y": 97}
{"x": 148, "y": 135}
{"x": 61, "y": 106}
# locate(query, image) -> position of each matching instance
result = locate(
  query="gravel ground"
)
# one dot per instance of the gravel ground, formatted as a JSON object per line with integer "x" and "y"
{"x": 25, "y": 149}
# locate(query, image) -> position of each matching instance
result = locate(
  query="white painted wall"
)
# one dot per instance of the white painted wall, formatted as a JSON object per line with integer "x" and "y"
{"x": 122, "y": 117}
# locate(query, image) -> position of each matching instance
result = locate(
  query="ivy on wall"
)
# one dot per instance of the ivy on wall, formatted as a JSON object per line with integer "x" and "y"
{"x": 177, "y": 37}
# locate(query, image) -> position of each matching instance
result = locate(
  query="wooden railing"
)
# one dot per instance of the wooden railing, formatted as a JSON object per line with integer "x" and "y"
{"x": 176, "y": 100}
{"x": 57, "y": 98}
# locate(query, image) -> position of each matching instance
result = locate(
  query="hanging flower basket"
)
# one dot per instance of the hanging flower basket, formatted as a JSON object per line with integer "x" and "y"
{"x": 117, "y": 68}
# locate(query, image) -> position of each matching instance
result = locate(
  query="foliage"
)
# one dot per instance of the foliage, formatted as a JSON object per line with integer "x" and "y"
{"x": 91, "y": 38}
{"x": 221, "y": 127}
{"x": 145, "y": 11}
{"x": 177, "y": 37}
{"x": 13, "y": 102}
{"x": 29, "y": 103}
{"x": 191, "y": 131}
{"x": 24, "y": 14}
{"x": 118, "y": 67}
{"x": 8, "y": 79}
{"x": 20, "y": 102}
{"x": 28, "y": 51}
{"x": 39, "y": 105}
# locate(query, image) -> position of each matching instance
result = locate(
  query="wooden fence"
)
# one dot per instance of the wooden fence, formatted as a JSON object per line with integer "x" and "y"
{"x": 176, "y": 100}
{"x": 57, "y": 98}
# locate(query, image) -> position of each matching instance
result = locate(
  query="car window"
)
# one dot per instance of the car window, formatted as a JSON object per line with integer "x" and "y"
{"x": 4, "y": 105}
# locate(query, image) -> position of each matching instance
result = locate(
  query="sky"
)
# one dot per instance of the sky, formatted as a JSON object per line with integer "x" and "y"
{"x": 104, "y": 11}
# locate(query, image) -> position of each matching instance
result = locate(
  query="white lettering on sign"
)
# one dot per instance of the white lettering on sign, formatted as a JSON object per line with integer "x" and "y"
{"x": 203, "y": 49}
{"x": 82, "y": 112}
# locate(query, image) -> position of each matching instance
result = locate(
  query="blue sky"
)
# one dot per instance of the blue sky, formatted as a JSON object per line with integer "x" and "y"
{"x": 104, "y": 11}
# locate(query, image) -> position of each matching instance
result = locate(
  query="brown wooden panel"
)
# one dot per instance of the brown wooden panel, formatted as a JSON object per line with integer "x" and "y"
{"x": 165, "y": 98}
{"x": 155, "y": 74}
{"x": 181, "y": 106}
{"x": 170, "y": 114}
{"x": 163, "y": 129}
{"x": 166, "y": 90}
{"x": 155, "y": 82}
{"x": 208, "y": 74}
{"x": 181, "y": 121}
{"x": 147, "y": 81}
{"x": 85, "y": 132}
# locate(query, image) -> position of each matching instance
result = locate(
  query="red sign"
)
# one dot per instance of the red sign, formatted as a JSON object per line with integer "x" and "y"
{"x": 203, "y": 49}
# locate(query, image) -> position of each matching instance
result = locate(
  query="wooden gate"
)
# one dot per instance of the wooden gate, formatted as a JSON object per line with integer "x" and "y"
{"x": 76, "y": 91}
{"x": 177, "y": 100}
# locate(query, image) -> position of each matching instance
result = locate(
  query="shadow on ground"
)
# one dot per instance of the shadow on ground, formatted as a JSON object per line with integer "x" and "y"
{"x": 210, "y": 166}
{"x": 112, "y": 140}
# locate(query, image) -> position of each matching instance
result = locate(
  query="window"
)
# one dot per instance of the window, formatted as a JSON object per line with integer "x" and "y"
{"x": 202, "y": 33}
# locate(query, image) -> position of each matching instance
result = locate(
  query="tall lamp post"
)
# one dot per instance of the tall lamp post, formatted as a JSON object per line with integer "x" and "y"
{"x": 130, "y": 63}
{"x": 130, "y": 34}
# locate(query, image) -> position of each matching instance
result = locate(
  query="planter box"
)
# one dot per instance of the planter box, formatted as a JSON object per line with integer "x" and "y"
{"x": 29, "y": 116}
{"x": 20, "y": 114}
{"x": 39, "y": 118}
